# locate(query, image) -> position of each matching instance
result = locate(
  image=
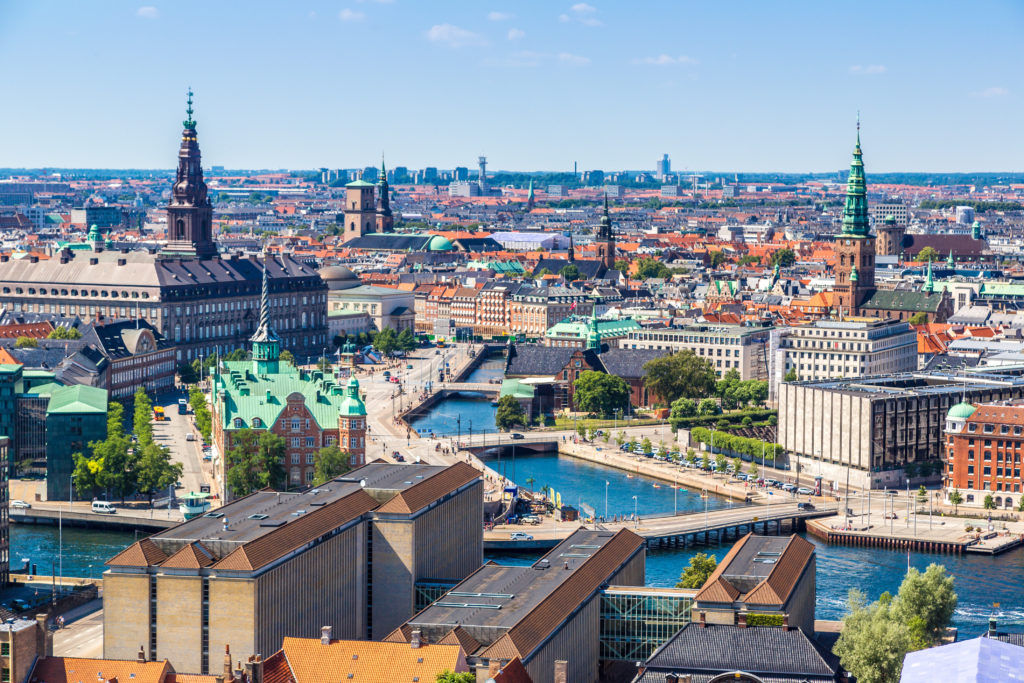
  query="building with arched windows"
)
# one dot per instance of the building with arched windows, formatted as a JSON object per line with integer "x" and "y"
{"x": 310, "y": 410}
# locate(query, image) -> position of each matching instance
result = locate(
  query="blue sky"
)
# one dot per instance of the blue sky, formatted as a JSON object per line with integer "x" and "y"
{"x": 746, "y": 86}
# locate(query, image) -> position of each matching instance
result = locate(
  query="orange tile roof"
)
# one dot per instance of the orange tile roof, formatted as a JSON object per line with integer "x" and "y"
{"x": 81, "y": 670}
{"x": 192, "y": 556}
{"x": 311, "y": 661}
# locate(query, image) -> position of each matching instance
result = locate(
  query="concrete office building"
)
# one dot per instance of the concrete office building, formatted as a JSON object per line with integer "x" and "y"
{"x": 873, "y": 427}
{"x": 727, "y": 347}
{"x": 833, "y": 349}
{"x": 543, "y": 613}
{"x": 349, "y": 554}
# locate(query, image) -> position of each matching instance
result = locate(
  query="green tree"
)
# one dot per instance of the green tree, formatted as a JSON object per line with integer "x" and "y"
{"x": 386, "y": 342}
{"x": 201, "y": 413}
{"x": 790, "y": 376}
{"x": 581, "y": 430}
{"x": 919, "y": 318}
{"x": 752, "y": 470}
{"x": 448, "y": 676}
{"x": 872, "y": 644}
{"x": 600, "y": 393}
{"x": 929, "y": 599}
{"x": 254, "y": 461}
{"x": 748, "y": 260}
{"x": 696, "y": 574}
{"x": 922, "y": 494}
{"x": 691, "y": 457}
{"x": 720, "y": 460}
{"x": 287, "y": 356}
{"x": 783, "y": 258}
{"x": 620, "y": 439}
{"x": 705, "y": 461}
{"x": 155, "y": 471}
{"x": 406, "y": 340}
{"x": 331, "y": 462}
{"x": 26, "y": 343}
{"x": 717, "y": 259}
{"x": 509, "y": 414}
{"x": 928, "y": 254}
{"x": 707, "y": 406}
{"x": 142, "y": 414}
{"x": 64, "y": 332}
{"x": 621, "y": 265}
{"x": 645, "y": 445}
{"x": 737, "y": 465}
{"x": 648, "y": 268}
{"x": 679, "y": 374}
{"x": 118, "y": 458}
{"x": 87, "y": 474}
{"x": 683, "y": 407}
{"x": 989, "y": 502}
{"x": 956, "y": 498}
{"x": 570, "y": 272}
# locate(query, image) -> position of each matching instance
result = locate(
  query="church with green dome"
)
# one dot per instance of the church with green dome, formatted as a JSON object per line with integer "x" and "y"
{"x": 309, "y": 409}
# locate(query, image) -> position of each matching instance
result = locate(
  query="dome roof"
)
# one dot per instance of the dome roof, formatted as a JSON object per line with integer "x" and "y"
{"x": 352, "y": 405}
{"x": 961, "y": 411}
{"x": 438, "y": 243}
{"x": 339, "y": 277}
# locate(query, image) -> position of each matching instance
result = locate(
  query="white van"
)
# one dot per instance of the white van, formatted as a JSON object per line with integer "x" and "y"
{"x": 103, "y": 507}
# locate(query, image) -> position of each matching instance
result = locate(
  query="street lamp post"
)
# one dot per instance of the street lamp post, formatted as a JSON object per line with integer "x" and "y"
{"x": 636, "y": 516}
{"x": 606, "y": 485}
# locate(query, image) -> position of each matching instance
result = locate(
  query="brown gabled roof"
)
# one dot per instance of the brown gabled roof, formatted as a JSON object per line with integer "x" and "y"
{"x": 776, "y": 588}
{"x": 460, "y": 636}
{"x": 75, "y": 669}
{"x": 523, "y": 638}
{"x": 141, "y": 554}
{"x": 716, "y": 588}
{"x": 192, "y": 556}
{"x": 513, "y": 672}
{"x": 276, "y": 669}
{"x": 424, "y": 493}
{"x": 283, "y": 540}
{"x": 402, "y": 634}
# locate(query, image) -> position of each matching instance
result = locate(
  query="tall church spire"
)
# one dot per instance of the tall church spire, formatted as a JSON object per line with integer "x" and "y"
{"x": 385, "y": 218}
{"x": 855, "y": 211}
{"x": 604, "y": 238}
{"x": 266, "y": 347}
{"x": 189, "y": 212}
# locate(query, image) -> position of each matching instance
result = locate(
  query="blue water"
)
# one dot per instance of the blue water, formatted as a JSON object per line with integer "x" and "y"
{"x": 85, "y": 550}
{"x": 493, "y": 367}
{"x": 581, "y": 481}
{"x": 472, "y": 411}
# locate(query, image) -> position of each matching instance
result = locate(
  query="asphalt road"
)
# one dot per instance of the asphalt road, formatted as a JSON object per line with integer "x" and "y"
{"x": 82, "y": 635}
{"x": 172, "y": 432}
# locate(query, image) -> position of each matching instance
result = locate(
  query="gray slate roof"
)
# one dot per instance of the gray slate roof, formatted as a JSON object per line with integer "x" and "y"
{"x": 629, "y": 363}
{"x": 535, "y": 360}
{"x": 896, "y": 300}
{"x": 774, "y": 654}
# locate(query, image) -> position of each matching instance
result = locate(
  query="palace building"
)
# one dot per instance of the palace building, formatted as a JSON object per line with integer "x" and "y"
{"x": 309, "y": 410}
{"x": 202, "y": 302}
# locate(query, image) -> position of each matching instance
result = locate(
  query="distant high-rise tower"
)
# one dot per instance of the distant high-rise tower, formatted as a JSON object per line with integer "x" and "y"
{"x": 190, "y": 213}
{"x": 483, "y": 175}
{"x": 530, "y": 197}
{"x": 663, "y": 168}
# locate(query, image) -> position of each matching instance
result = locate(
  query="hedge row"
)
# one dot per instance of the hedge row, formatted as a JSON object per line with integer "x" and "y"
{"x": 736, "y": 444}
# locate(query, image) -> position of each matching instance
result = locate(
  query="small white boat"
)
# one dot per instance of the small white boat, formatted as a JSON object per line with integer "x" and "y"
{"x": 194, "y": 504}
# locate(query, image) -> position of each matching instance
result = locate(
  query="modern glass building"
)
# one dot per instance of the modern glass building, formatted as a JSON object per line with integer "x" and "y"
{"x": 636, "y": 621}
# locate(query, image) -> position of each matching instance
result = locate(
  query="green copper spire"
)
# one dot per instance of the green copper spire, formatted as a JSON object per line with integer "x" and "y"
{"x": 949, "y": 260}
{"x": 530, "y": 195}
{"x": 853, "y": 274}
{"x": 189, "y": 123}
{"x": 976, "y": 231}
{"x": 593, "y": 336}
{"x": 929, "y": 282}
{"x": 266, "y": 347}
{"x": 855, "y": 211}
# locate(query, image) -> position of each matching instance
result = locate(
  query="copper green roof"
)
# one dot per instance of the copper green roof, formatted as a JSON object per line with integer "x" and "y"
{"x": 513, "y": 387}
{"x": 359, "y": 183}
{"x": 78, "y": 398}
{"x": 961, "y": 411}
{"x": 246, "y": 396}
{"x": 580, "y": 327}
{"x": 439, "y": 243}
{"x": 352, "y": 406}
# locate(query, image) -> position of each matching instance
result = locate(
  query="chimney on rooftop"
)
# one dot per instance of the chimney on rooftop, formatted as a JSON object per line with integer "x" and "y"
{"x": 142, "y": 654}
{"x": 493, "y": 668}
{"x": 561, "y": 671}
{"x": 785, "y": 622}
{"x": 703, "y": 619}
{"x": 741, "y": 619}
{"x": 228, "y": 676}
{"x": 416, "y": 639}
{"x": 44, "y": 638}
{"x": 254, "y": 669}
{"x": 325, "y": 635}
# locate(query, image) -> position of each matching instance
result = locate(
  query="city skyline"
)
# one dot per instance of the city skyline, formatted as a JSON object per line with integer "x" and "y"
{"x": 534, "y": 86}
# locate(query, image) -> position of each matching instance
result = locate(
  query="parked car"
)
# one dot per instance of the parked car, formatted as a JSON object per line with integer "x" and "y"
{"x": 516, "y": 435}
{"x": 190, "y": 437}
{"x": 804, "y": 506}
{"x": 408, "y": 366}
{"x": 804, "y": 491}
{"x": 531, "y": 519}
{"x": 789, "y": 487}
{"x": 520, "y": 536}
{"x": 20, "y": 505}
{"x": 741, "y": 476}
{"x": 398, "y": 457}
